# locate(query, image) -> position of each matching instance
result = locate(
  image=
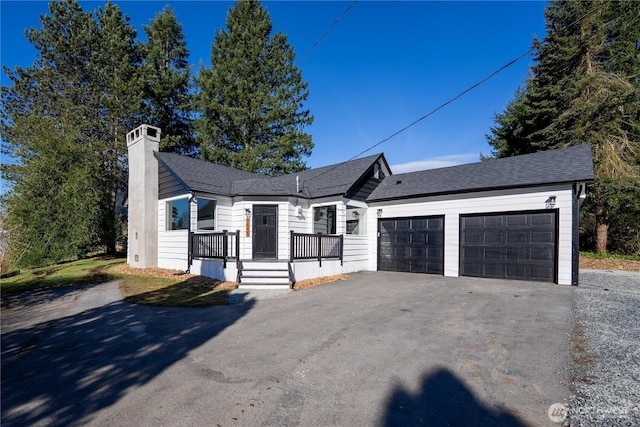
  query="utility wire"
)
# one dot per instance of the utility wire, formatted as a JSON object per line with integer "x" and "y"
{"x": 326, "y": 32}
{"x": 441, "y": 106}
{"x": 461, "y": 94}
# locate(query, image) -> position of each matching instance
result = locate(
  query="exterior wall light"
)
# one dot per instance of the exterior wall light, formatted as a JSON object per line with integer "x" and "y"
{"x": 550, "y": 203}
{"x": 379, "y": 213}
{"x": 247, "y": 212}
{"x": 355, "y": 214}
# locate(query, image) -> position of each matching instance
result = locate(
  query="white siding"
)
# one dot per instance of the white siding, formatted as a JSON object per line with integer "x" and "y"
{"x": 360, "y": 251}
{"x": 452, "y": 206}
{"x": 172, "y": 244}
{"x": 300, "y": 216}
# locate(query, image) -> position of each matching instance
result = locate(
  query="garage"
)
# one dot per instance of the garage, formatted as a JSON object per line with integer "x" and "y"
{"x": 518, "y": 246}
{"x": 414, "y": 245}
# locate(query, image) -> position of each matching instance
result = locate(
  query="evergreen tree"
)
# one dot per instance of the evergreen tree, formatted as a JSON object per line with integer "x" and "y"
{"x": 251, "y": 99}
{"x": 584, "y": 88}
{"x": 64, "y": 122}
{"x": 117, "y": 84}
{"x": 167, "y": 77}
{"x": 51, "y": 208}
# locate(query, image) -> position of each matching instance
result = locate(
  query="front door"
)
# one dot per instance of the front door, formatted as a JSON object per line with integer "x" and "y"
{"x": 265, "y": 231}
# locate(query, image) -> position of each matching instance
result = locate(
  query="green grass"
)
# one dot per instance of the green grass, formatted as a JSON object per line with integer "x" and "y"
{"x": 83, "y": 272}
{"x": 610, "y": 256}
{"x": 193, "y": 292}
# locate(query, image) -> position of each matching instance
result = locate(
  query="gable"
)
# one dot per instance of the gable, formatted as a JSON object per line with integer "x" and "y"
{"x": 567, "y": 165}
{"x": 168, "y": 184}
{"x": 367, "y": 183}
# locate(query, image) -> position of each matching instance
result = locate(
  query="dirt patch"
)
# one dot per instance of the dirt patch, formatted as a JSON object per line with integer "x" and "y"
{"x": 177, "y": 275}
{"x": 312, "y": 283}
{"x": 582, "y": 357}
{"x": 608, "y": 264}
{"x": 193, "y": 279}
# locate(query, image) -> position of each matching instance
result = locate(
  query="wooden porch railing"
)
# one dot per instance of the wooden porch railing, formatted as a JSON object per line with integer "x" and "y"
{"x": 316, "y": 246}
{"x": 219, "y": 245}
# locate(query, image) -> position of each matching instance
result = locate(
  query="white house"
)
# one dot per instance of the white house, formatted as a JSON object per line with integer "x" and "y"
{"x": 512, "y": 218}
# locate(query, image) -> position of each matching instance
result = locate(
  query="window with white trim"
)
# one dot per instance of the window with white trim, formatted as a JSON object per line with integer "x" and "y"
{"x": 177, "y": 217}
{"x": 206, "y": 214}
{"x": 356, "y": 220}
{"x": 324, "y": 219}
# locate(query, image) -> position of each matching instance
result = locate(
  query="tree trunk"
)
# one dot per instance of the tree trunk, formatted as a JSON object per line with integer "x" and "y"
{"x": 602, "y": 226}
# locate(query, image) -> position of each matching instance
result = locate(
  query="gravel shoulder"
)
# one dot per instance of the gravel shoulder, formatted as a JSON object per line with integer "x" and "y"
{"x": 605, "y": 368}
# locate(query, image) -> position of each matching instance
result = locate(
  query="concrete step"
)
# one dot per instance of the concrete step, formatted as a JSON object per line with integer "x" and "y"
{"x": 264, "y": 279}
{"x": 262, "y": 286}
{"x": 265, "y": 265}
{"x": 264, "y": 275}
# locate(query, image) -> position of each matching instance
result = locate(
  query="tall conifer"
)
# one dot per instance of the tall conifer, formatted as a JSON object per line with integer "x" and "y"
{"x": 251, "y": 99}
{"x": 168, "y": 82}
{"x": 64, "y": 121}
{"x": 584, "y": 88}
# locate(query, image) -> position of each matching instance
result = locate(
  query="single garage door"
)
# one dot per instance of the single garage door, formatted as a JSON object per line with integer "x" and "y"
{"x": 520, "y": 246}
{"x": 414, "y": 245}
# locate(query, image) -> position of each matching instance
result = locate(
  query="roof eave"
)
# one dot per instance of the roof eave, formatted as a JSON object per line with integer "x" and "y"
{"x": 475, "y": 190}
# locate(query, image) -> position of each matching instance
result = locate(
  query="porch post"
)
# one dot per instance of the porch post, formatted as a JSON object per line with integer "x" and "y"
{"x": 225, "y": 250}
{"x": 190, "y": 250}
{"x": 237, "y": 246}
{"x": 291, "y": 245}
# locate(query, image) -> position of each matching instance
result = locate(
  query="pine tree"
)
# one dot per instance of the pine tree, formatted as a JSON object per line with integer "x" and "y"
{"x": 52, "y": 205}
{"x": 584, "y": 88}
{"x": 117, "y": 83}
{"x": 64, "y": 122}
{"x": 167, "y": 76}
{"x": 251, "y": 99}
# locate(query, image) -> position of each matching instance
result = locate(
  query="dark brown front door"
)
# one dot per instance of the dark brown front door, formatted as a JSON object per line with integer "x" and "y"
{"x": 265, "y": 231}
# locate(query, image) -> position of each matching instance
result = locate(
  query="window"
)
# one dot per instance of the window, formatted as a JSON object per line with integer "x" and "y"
{"x": 206, "y": 214}
{"x": 353, "y": 226}
{"x": 324, "y": 220}
{"x": 178, "y": 214}
{"x": 356, "y": 220}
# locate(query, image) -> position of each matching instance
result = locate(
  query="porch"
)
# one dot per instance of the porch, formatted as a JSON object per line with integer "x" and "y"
{"x": 218, "y": 254}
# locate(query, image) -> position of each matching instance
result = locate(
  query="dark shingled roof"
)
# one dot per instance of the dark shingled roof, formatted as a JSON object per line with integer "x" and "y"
{"x": 573, "y": 164}
{"x": 320, "y": 182}
{"x": 200, "y": 175}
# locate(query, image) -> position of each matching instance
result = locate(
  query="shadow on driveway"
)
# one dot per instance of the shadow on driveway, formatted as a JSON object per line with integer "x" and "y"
{"x": 444, "y": 400}
{"x": 61, "y": 371}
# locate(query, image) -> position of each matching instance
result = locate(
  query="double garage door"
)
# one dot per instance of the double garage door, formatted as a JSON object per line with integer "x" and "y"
{"x": 519, "y": 246}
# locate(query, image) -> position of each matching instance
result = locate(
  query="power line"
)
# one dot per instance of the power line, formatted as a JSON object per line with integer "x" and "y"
{"x": 326, "y": 32}
{"x": 461, "y": 94}
{"x": 441, "y": 106}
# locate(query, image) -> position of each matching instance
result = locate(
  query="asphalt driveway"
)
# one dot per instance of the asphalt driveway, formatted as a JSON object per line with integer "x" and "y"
{"x": 380, "y": 349}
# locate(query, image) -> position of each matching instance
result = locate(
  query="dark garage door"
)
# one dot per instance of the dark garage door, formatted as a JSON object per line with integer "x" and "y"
{"x": 414, "y": 245}
{"x": 519, "y": 246}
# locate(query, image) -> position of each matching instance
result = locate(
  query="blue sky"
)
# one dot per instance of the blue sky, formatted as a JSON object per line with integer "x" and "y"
{"x": 383, "y": 66}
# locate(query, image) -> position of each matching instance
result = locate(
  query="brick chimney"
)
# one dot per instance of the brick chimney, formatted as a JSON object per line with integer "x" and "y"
{"x": 142, "y": 251}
